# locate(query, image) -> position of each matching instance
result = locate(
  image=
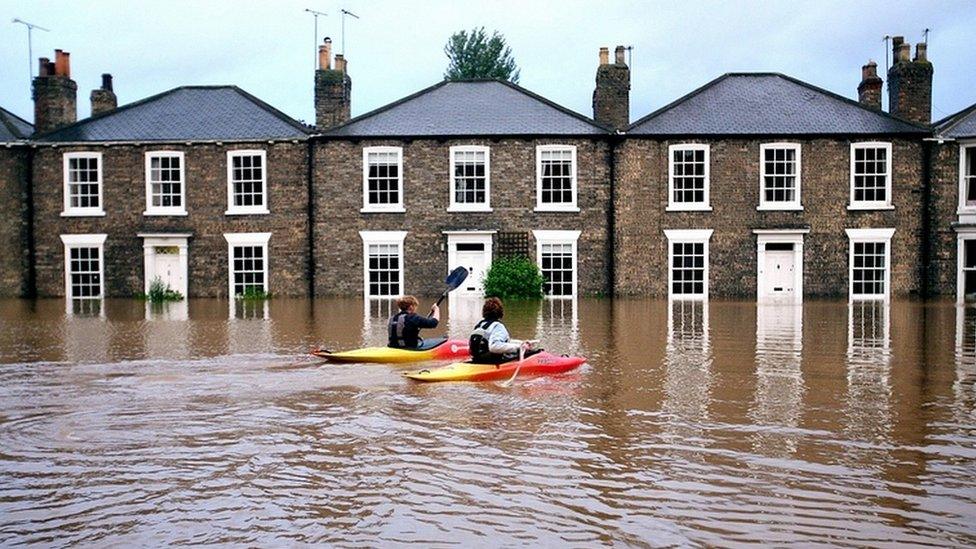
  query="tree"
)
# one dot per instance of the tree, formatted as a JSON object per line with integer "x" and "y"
{"x": 476, "y": 55}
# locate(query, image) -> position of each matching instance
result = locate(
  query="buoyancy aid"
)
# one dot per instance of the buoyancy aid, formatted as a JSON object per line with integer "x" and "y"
{"x": 397, "y": 328}
{"x": 478, "y": 343}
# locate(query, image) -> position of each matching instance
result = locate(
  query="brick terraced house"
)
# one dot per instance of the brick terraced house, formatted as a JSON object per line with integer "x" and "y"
{"x": 755, "y": 184}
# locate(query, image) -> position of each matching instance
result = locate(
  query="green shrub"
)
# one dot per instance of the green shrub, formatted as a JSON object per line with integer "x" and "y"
{"x": 253, "y": 294}
{"x": 514, "y": 278}
{"x": 159, "y": 292}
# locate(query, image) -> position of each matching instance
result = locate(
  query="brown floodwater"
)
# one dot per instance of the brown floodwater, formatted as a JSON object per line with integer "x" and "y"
{"x": 710, "y": 424}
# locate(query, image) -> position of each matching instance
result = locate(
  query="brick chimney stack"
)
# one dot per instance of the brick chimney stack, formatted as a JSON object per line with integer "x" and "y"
{"x": 910, "y": 83}
{"x": 611, "y": 97}
{"x": 103, "y": 99}
{"x": 333, "y": 89}
{"x": 869, "y": 90}
{"x": 55, "y": 94}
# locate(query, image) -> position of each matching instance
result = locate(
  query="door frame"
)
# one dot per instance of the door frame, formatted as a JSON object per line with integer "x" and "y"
{"x": 963, "y": 234}
{"x": 786, "y": 236}
{"x": 149, "y": 243}
{"x": 468, "y": 237}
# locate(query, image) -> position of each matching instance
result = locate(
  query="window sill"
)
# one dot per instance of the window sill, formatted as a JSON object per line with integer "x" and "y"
{"x": 247, "y": 212}
{"x": 703, "y": 208}
{"x": 780, "y": 208}
{"x": 177, "y": 213}
{"x": 388, "y": 211}
{"x": 92, "y": 213}
{"x": 456, "y": 209}
{"x": 563, "y": 209}
{"x": 966, "y": 211}
{"x": 684, "y": 297}
{"x": 857, "y": 298}
{"x": 870, "y": 207}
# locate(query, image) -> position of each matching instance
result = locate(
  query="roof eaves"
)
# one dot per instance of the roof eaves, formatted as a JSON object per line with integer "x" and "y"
{"x": 5, "y": 114}
{"x": 953, "y": 119}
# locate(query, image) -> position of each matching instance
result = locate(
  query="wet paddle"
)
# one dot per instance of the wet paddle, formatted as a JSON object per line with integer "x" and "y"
{"x": 453, "y": 280}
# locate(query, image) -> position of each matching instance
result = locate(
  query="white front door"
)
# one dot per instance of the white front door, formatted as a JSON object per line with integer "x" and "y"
{"x": 168, "y": 268}
{"x": 165, "y": 258}
{"x": 779, "y": 273}
{"x": 473, "y": 252}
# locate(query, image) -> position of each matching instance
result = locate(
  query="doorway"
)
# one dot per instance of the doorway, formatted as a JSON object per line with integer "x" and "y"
{"x": 165, "y": 258}
{"x": 471, "y": 250}
{"x": 780, "y": 266}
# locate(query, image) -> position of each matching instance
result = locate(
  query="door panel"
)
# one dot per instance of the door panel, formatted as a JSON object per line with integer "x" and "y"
{"x": 779, "y": 273}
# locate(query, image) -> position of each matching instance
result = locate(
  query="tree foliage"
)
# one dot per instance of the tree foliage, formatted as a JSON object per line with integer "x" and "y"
{"x": 514, "y": 278}
{"x": 474, "y": 54}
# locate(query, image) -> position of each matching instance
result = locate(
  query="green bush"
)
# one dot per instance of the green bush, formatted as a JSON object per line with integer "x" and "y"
{"x": 514, "y": 278}
{"x": 159, "y": 292}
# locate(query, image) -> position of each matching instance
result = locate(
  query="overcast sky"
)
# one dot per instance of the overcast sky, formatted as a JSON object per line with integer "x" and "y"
{"x": 396, "y": 48}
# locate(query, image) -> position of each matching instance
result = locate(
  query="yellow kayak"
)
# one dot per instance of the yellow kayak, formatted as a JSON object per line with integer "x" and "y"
{"x": 432, "y": 349}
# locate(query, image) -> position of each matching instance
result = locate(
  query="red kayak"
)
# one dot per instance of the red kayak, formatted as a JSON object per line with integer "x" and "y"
{"x": 536, "y": 365}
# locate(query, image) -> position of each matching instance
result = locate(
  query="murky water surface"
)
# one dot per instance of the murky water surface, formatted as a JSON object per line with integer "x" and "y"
{"x": 719, "y": 424}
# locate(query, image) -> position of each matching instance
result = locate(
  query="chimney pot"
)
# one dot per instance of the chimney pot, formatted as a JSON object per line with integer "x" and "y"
{"x": 325, "y": 54}
{"x": 43, "y": 66}
{"x": 107, "y": 82}
{"x": 870, "y": 70}
{"x": 921, "y": 51}
{"x": 604, "y": 56}
{"x": 618, "y": 55}
{"x": 62, "y": 63}
{"x": 902, "y": 52}
{"x": 340, "y": 63}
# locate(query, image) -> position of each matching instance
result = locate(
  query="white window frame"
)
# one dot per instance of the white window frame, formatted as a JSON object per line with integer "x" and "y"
{"x": 574, "y": 182}
{"x": 868, "y": 236}
{"x": 559, "y": 237}
{"x": 963, "y": 234}
{"x": 383, "y": 208}
{"x": 246, "y": 239}
{"x": 963, "y": 207}
{"x": 886, "y": 204}
{"x": 67, "y": 209}
{"x": 233, "y": 209}
{"x": 705, "y": 206}
{"x": 382, "y": 237}
{"x": 796, "y": 203}
{"x": 463, "y": 206}
{"x": 84, "y": 241}
{"x": 165, "y": 210}
{"x": 688, "y": 236}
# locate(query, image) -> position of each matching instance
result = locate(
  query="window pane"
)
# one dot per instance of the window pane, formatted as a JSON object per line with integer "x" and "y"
{"x": 248, "y": 263}
{"x": 470, "y": 185}
{"x": 688, "y": 268}
{"x": 247, "y": 179}
{"x": 870, "y": 174}
{"x": 83, "y": 182}
{"x": 383, "y": 270}
{"x": 688, "y": 176}
{"x": 83, "y": 272}
{"x": 556, "y": 176}
{"x": 382, "y": 181}
{"x": 779, "y": 175}
{"x": 557, "y": 268}
{"x": 869, "y": 268}
{"x": 165, "y": 182}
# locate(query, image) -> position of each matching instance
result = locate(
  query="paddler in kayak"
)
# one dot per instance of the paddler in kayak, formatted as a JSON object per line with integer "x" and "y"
{"x": 490, "y": 342}
{"x": 405, "y": 326}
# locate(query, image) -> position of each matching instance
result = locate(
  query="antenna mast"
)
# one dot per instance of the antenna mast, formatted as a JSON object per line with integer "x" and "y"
{"x": 30, "y": 44}
{"x": 315, "y": 41}
{"x": 344, "y": 14}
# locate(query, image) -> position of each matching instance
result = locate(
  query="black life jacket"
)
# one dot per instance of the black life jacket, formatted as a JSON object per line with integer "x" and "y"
{"x": 399, "y": 337}
{"x": 478, "y": 343}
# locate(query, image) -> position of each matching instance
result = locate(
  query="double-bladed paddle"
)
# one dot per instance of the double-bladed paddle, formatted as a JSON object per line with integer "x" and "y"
{"x": 453, "y": 280}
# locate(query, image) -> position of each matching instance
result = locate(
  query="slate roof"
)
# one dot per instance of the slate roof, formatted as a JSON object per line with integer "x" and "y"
{"x": 959, "y": 125}
{"x": 188, "y": 113}
{"x": 469, "y": 108}
{"x": 767, "y": 104}
{"x": 13, "y": 127}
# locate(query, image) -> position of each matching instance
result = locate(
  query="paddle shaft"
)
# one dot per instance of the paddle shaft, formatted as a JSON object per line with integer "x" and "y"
{"x": 519, "y": 367}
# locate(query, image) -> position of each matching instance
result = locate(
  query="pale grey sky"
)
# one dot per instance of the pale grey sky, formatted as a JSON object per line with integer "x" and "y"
{"x": 395, "y": 48}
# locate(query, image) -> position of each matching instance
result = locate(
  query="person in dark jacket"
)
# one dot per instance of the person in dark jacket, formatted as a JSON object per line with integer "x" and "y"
{"x": 405, "y": 326}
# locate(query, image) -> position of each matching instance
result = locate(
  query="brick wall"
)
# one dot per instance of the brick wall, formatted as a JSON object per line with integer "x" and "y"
{"x": 943, "y": 205}
{"x": 124, "y": 196}
{"x": 14, "y": 257}
{"x": 642, "y": 196}
{"x": 337, "y": 196}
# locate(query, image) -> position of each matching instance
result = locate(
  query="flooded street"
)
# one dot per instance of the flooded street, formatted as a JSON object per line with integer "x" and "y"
{"x": 722, "y": 423}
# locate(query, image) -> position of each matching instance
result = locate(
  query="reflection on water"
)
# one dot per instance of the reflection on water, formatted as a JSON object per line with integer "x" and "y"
{"x": 694, "y": 423}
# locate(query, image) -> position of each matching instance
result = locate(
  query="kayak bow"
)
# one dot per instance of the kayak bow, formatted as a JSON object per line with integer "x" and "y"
{"x": 437, "y": 349}
{"x": 538, "y": 364}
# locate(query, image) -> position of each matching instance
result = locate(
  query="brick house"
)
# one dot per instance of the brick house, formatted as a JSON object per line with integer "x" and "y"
{"x": 754, "y": 185}
{"x": 758, "y": 184}
{"x": 15, "y": 245}
{"x": 203, "y": 187}
{"x": 953, "y": 207}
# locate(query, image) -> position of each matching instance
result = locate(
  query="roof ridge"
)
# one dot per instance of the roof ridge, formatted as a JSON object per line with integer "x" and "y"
{"x": 112, "y": 112}
{"x": 271, "y": 110}
{"x": 384, "y": 108}
{"x": 557, "y": 106}
{"x": 954, "y": 119}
